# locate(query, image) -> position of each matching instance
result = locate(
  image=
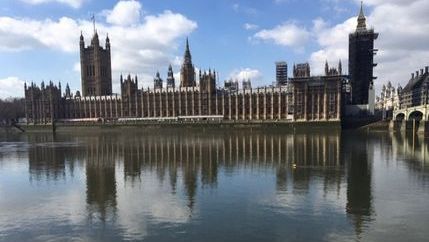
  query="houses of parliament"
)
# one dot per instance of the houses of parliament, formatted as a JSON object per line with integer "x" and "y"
{"x": 303, "y": 98}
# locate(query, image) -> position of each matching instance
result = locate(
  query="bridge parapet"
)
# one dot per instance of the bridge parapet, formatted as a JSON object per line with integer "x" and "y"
{"x": 417, "y": 112}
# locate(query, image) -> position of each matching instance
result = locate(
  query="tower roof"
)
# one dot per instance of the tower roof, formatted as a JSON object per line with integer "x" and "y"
{"x": 187, "y": 57}
{"x": 361, "y": 19}
{"x": 95, "y": 41}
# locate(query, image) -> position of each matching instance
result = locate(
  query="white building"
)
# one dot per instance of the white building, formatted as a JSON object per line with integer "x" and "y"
{"x": 388, "y": 100}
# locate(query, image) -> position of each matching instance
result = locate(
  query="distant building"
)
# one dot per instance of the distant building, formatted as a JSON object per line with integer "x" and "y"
{"x": 208, "y": 82}
{"x": 388, "y": 100}
{"x": 361, "y": 61}
{"x": 333, "y": 71}
{"x": 301, "y": 70}
{"x": 247, "y": 85}
{"x": 281, "y": 73}
{"x": 231, "y": 85}
{"x": 416, "y": 92}
{"x": 157, "y": 81}
{"x": 96, "y": 68}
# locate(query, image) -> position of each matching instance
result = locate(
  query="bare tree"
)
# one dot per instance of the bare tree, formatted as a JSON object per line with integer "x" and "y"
{"x": 11, "y": 110}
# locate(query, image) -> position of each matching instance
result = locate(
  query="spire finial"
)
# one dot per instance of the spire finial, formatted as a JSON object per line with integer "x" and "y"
{"x": 361, "y": 18}
{"x": 93, "y": 22}
{"x": 187, "y": 44}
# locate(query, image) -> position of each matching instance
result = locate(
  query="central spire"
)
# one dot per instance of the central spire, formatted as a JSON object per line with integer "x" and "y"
{"x": 361, "y": 19}
{"x": 187, "y": 57}
{"x": 93, "y": 22}
{"x": 187, "y": 73}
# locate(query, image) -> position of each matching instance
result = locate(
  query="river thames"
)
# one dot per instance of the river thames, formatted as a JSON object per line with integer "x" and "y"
{"x": 198, "y": 185}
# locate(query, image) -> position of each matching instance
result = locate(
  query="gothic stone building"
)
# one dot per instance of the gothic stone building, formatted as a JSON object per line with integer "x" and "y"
{"x": 305, "y": 98}
{"x": 416, "y": 92}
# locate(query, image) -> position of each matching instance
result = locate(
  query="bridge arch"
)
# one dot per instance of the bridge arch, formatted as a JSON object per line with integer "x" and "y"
{"x": 415, "y": 115}
{"x": 400, "y": 117}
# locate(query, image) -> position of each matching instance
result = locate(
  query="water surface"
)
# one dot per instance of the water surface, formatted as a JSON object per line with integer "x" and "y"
{"x": 179, "y": 185}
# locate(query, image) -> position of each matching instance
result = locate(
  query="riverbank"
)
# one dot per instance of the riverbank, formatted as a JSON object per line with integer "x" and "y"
{"x": 111, "y": 127}
{"x": 377, "y": 126}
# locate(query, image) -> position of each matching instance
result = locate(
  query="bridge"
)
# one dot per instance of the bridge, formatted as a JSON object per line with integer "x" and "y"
{"x": 413, "y": 119}
{"x": 412, "y": 113}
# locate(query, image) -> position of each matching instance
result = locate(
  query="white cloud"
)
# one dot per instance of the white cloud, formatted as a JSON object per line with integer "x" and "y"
{"x": 287, "y": 34}
{"x": 248, "y": 26}
{"x": 22, "y": 34}
{"x": 333, "y": 42}
{"x": 139, "y": 46}
{"x": 71, "y": 3}
{"x": 246, "y": 73}
{"x": 379, "y": 2}
{"x": 125, "y": 13}
{"x": 11, "y": 87}
{"x": 244, "y": 9}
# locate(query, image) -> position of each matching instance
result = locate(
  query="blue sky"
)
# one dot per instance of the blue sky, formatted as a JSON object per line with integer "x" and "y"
{"x": 239, "y": 38}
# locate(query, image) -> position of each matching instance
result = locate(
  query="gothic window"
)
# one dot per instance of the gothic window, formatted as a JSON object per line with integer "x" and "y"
{"x": 332, "y": 103}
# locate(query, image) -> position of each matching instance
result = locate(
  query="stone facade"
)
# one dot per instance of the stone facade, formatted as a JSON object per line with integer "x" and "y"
{"x": 388, "y": 100}
{"x": 416, "y": 92}
{"x": 305, "y": 98}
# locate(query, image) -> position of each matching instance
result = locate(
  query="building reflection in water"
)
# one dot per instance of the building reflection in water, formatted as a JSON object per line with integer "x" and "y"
{"x": 198, "y": 161}
{"x": 46, "y": 159}
{"x": 359, "y": 156}
{"x": 414, "y": 151}
{"x": 100, "y": 176}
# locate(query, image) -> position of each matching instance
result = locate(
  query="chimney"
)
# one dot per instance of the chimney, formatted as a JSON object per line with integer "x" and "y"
{"x": 421, "y": 72}
{"x": 426, "y": 69}
{"x": 417, "y": 73}
{"x": 412, "y": 75}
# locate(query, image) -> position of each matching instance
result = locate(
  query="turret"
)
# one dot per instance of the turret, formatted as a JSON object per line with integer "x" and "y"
{"x": 340, "y": 68}
{"x": 107, "y": 42}
{"x": 68, "y": 94}
{"x": 157, "y": 81}
{"x": 170, "y": 78}
{"x": 82, "y": 41}
{"x": 326, "y": 68}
